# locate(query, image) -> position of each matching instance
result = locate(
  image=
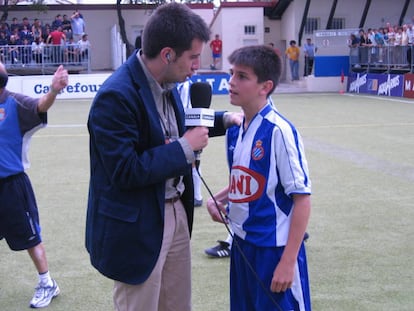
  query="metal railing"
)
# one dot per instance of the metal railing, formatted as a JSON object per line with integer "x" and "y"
{"x": 385, "y": 59}
{"x": 43, "y": 59}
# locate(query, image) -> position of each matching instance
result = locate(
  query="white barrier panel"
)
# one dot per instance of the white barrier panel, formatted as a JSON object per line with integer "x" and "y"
{"x": 80, "y": 85}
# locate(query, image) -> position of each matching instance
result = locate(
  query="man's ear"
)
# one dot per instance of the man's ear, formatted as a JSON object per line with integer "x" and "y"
{"x": 167, "y": 54}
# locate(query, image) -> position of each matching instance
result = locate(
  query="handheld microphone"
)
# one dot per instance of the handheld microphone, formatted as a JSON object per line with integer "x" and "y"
{"x": 199, "y": 114}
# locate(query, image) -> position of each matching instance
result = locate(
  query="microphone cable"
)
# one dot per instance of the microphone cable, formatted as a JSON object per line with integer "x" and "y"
{"x": 245, "y": 259}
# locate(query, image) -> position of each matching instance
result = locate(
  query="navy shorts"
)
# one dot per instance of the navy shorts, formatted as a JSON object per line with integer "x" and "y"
{"x": 216, "y": 55}
{"x": 19, "y": 217}
{"x": 247, "y": 293}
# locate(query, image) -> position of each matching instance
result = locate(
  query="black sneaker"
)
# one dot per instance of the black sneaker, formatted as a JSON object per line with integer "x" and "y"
{"x": 222, "y": 250}
{"x": 306, "y": 237}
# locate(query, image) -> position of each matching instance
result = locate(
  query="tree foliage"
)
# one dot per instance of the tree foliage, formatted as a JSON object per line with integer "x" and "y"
{"x": 37, "y": 5}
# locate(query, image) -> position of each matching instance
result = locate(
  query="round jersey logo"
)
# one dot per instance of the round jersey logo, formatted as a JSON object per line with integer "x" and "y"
{"x": 257, "y": 151}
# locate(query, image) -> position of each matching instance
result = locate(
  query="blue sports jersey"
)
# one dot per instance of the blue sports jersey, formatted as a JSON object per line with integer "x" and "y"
{"x": 267, "y": 166}
{"x": 19, "y": 119}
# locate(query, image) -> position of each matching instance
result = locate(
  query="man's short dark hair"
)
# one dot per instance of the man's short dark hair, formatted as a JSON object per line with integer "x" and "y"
{"x": 264, "y": 61}
{"x": 173, "y": 25}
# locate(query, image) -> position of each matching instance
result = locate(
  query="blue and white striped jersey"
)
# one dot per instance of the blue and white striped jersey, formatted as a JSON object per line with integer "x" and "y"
{"x": 19, "y": 119}
{"x": 267, "y": 166}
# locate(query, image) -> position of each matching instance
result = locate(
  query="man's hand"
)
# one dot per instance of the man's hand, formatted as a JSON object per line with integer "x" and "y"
{"x": 232, "y": 118}
{"x": 197, "y": 137}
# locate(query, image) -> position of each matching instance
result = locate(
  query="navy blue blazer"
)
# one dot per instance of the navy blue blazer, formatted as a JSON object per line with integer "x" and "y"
{"x": 129, "y": 164}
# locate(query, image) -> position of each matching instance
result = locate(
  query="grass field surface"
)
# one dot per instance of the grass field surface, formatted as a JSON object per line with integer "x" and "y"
{"x": 360, "y": 151}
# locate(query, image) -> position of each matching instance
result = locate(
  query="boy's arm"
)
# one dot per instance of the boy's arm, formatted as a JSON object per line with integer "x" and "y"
{"x": 221, "y": 198}
{"x": 285, "y": 269}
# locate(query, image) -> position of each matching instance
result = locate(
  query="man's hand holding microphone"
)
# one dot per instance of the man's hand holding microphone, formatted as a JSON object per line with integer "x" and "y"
{"x": 197, "y": 137}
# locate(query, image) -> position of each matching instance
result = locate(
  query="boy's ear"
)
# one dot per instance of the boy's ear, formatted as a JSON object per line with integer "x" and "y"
{"x": 267, "y": 86}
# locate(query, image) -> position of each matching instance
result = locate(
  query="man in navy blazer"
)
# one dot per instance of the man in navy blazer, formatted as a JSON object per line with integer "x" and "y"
{"x": 140, "y": 205}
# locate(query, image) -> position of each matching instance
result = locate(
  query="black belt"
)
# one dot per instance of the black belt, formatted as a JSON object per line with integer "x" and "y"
{"x": 173, "y": 199}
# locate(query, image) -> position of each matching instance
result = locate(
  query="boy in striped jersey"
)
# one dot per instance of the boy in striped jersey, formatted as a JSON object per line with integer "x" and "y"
{"x": 268, "y": 197}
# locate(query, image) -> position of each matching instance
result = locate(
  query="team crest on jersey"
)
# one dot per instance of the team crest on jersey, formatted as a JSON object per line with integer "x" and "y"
{"x": 246, "y": 185}
{"x": 2, "y": 114}
{"x": 258, "y": 151}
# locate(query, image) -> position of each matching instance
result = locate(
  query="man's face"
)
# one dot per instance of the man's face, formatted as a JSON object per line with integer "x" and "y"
{"x": 185, "y": 65}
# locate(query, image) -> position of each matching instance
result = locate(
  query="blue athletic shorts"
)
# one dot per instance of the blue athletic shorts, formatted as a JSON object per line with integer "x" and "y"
{"x": 248, "y": 294}
{"x": 216, "y": 55}
{"x": 19, "y": 217}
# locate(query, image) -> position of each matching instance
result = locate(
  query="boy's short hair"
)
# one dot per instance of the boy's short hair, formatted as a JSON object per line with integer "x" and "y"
{"x": 264, "y": 61}
{"x": 173, "y": 25}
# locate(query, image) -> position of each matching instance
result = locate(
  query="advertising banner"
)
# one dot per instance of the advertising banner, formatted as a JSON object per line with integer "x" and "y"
{"x": 376, "y": 84}
{"x": 392, "y": 86}
{"x": 357, "y": 83}
{"x": 87, "y": 85}
{"x": 219, "y": 82}
{"x": 409, "y": 85}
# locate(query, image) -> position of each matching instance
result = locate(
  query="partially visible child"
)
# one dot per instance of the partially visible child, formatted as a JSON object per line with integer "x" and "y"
{"x": 268, "y": 195}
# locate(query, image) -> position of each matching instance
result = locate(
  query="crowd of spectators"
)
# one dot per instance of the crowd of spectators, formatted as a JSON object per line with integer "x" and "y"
{"x": 62, "y": 41}
{"x": 390, "y": 46}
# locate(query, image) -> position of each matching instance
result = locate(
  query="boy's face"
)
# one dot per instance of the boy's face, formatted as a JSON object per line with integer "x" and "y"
{"x": 244, "y": 89}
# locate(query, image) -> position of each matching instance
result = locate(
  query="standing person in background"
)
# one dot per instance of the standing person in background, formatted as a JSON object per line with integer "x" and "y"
{"x": 141, "y": 197}
{"x": 293, "y": 52}
{"x": 138, "y": 41}
{"x": 37, "y": 29}
{"x": 309, "y": 49}
{"x": 20, "y": 117}
{"x": 216, "y": 46}
{"x": 66, "y": 24}
{"x": 57, "y": 22}
{"x": 72, "y": 52}
{"x": 270, "y": 220}
{"x": 84, "y": 45}
{"x": 57, "y": 38}
{"x": 78, "y": 26}
{"x": 272, "y": 45}
{"x": 14, "y": 25}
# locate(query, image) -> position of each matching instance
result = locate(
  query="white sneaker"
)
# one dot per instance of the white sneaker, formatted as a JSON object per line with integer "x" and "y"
{"x": 44, "y": 295}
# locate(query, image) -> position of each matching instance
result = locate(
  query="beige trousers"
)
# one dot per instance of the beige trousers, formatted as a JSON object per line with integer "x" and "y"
{"x": 168, "y": 288}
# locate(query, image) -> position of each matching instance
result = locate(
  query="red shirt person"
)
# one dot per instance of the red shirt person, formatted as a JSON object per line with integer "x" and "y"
{"x": 216, "y": 46}
{"x": 56, "y": 37}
